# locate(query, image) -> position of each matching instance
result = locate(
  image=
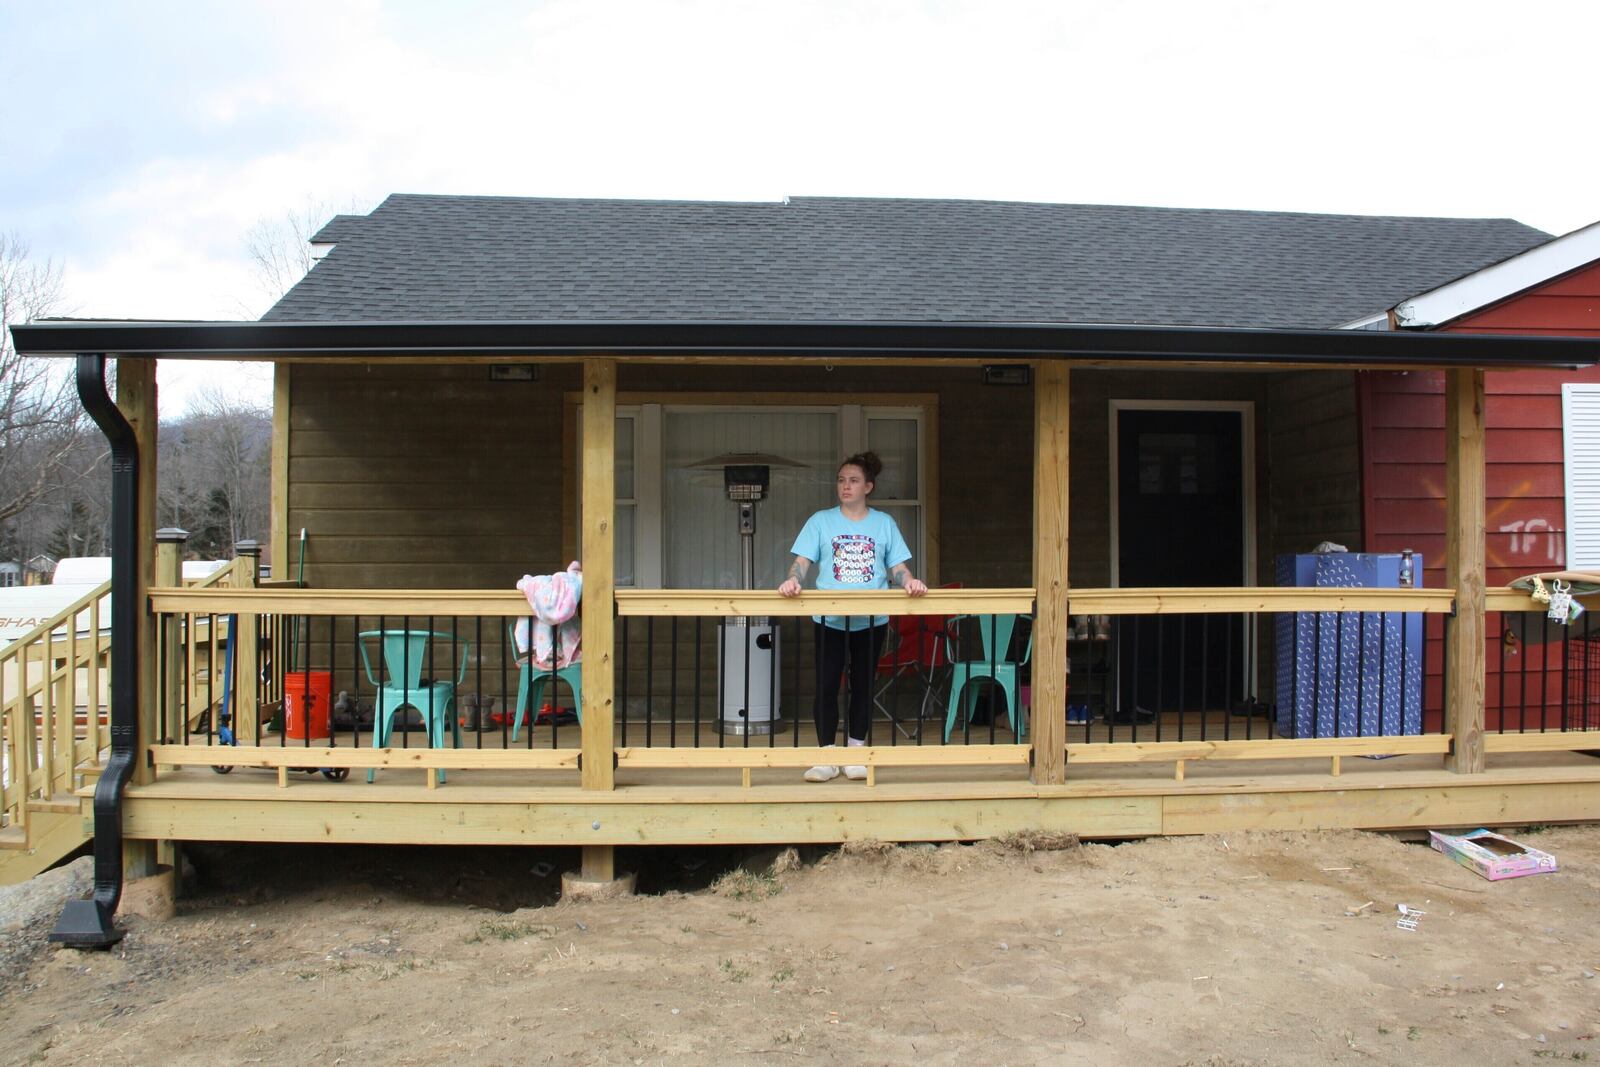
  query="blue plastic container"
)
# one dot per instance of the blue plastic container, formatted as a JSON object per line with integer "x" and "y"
{"x": 1349, "y": 674}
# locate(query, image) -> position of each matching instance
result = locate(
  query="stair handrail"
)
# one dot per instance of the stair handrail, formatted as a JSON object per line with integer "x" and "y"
{"x": 21, "y": 762}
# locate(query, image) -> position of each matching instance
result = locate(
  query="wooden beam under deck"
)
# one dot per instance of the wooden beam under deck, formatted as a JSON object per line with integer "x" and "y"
{"x": 908, "y": 804}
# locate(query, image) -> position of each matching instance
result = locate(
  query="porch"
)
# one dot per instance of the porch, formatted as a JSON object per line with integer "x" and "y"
{"x": 649, "y": 763}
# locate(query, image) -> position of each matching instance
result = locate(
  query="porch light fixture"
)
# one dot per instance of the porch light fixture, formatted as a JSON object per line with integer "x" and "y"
{"x": 749, "y": 648}
{"x": 1007, "y": 374}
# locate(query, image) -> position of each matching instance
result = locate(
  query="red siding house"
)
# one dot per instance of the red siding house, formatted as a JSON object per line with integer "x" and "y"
{"x": 1543, "y": 445}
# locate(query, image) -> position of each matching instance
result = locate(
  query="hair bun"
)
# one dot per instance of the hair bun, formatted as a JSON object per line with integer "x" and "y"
{"x": 870, "y": 464}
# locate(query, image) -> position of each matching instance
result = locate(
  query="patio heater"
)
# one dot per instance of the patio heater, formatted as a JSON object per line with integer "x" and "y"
{"x": 748, "y": 648}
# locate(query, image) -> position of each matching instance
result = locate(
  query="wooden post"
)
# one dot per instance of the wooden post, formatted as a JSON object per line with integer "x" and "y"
{"x": 1052, "y": 396}
{"x": 245, "y": 636}
{"x": 1465, "y": 567}
{"x": 136, "y": 397}
{"x": 169, "y": 575}
{"x": 279, "y": 506}
{"x": 599, "y": 556}
{"x": 599, "y": 863}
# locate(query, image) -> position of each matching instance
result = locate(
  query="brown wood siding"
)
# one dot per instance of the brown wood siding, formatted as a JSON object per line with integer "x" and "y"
{"x": 1315, "y": 461}
{"x": 423, "y": 476}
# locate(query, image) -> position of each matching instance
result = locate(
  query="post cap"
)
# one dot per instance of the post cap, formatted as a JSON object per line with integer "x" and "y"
{"x": 247, "y": 548}
{"x": 171, "y": 534}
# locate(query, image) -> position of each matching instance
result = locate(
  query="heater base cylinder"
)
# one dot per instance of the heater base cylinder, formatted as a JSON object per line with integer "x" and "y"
{"x": 749, "y": 671}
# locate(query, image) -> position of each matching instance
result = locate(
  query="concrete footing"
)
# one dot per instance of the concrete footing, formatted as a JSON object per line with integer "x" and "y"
{"x": 575, "y": 887}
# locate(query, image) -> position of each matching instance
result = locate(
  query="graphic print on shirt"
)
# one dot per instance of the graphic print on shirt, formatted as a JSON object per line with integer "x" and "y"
{"x": 853, "y": 559}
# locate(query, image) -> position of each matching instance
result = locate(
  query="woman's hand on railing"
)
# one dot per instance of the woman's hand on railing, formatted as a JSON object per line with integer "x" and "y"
{"x": 790, "y": 587}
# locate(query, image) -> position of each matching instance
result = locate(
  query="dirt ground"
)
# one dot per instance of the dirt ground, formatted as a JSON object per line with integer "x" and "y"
{"x": 1223, "y": 950}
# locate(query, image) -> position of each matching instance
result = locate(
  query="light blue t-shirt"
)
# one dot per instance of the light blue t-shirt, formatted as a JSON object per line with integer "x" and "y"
{"x": 851, "y": 555}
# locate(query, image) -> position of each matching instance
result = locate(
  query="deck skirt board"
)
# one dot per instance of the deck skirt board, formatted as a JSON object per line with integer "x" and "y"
{"x": 659, "y": 806}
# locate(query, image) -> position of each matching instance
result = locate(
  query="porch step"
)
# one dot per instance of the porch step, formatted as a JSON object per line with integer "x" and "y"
{"x": 60, "y": 804}
{"x": 51, "y": 836}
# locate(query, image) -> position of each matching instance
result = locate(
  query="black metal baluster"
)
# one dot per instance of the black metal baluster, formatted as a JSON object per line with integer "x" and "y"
{"x": 621, "y": 627}
{"x": 672, "y": 690}
{"x": 697, "y": 681}
{"x": 650, "y": 680}
{"x": 722, "y": 682}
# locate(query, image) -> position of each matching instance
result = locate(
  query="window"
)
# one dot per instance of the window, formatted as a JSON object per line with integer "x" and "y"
{"x": 675, "y": 526}
{"x": 1580, "y": 421}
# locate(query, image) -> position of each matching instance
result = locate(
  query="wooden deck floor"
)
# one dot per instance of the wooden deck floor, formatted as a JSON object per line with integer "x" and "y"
{"x": 704, "y": 806}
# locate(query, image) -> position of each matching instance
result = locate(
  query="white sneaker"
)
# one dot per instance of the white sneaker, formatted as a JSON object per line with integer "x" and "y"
{"x": 827, "y": 772}
{"x": 855, "y": 772}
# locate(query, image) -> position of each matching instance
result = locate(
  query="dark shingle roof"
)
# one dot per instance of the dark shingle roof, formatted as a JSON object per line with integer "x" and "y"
{"x": 822, "y": 258}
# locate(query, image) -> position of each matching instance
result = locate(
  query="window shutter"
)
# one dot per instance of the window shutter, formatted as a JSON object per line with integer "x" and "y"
{"x": 1580, "y": 417}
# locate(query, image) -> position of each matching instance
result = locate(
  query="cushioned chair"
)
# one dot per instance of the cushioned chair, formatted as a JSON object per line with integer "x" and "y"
{"x": 404, "y": 653}
{"x": 995, "y": 641}
{"x": 530, "y": 686}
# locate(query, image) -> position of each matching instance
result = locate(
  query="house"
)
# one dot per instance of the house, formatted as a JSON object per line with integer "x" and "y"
{"x": 1542, "y": 436}
{"x": 468, "y": 389}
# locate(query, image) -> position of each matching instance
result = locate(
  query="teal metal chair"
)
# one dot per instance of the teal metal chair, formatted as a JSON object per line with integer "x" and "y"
{"x": 404, "y": 653}
{"x": 995, "y": 632}
{"x": 531, "y": 683}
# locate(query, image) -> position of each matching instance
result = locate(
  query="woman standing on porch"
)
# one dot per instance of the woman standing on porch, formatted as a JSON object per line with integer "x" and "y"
{"x": 862, "y": 549}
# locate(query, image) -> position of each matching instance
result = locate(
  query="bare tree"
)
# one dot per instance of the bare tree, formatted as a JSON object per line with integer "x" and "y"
{"x": 215, "y": 472}
{"x": 280, "y": 246}
{"x": 40, "y": 421}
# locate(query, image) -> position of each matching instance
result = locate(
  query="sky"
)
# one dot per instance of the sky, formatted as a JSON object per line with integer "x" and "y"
{"x": 145, "y": 140}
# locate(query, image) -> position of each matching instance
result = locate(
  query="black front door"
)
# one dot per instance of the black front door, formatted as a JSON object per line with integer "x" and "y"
{"x": 1180, "y": 522}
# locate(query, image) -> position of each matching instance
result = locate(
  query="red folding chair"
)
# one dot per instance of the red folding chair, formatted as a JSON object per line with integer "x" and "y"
{"x": 915, "y": 653}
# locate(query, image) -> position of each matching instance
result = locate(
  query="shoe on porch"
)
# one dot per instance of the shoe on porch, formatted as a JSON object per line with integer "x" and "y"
{"x": 855, "y": 772}
{"x": 822, "y": 772}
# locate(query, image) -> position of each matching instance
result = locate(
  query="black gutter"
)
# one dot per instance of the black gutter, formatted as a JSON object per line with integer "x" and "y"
{"x": 832, "y": 340}
{"x": 90, "y": 923}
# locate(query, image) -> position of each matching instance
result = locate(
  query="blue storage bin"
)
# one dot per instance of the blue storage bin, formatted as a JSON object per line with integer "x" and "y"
{"x": 1349, "y": 674}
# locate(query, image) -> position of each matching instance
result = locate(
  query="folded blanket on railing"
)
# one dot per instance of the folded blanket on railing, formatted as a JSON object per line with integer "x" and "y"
{"x": 554, "y": 598}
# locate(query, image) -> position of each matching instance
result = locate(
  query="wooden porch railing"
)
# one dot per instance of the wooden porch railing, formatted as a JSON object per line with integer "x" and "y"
{"x": 217, "y": 600}
{"x": 48, "y": 676}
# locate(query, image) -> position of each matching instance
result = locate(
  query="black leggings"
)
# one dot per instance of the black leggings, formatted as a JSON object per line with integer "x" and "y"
{"x": 860, "y": 647}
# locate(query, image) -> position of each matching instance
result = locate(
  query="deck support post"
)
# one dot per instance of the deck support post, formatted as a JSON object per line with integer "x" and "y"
{"x": 1465, "y": 567}
{"x": 279, "y": 504}
{"x": 598, "y": 502}
{"x": 136, "y": 397}
{"x": 1052, "y": 396}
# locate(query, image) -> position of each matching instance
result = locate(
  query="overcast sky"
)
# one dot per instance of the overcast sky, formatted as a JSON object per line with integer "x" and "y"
{"x": 143, "y": 140}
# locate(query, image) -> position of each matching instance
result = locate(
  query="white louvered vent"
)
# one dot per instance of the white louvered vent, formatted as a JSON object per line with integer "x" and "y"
{"x": 1580, "y": 418}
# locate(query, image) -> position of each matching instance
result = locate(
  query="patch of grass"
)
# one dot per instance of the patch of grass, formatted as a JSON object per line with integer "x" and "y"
{"x": 1557, "y": 1054}
{"x": 744, "y": 917}
{"x": 1384, "y": 1030}
{"x": 743, "y": 885}
{"x": 506, "y": 930}
{"x": 732, "y": 972}
{"x": 1537, "y": 828}
{"x": 782, "y": 974}
{"x": 1413, "y": 1033}
{"x": 686, "y": 929}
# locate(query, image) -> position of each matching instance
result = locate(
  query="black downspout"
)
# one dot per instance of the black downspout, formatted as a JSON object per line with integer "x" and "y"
{"x": 90, "y": 923}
